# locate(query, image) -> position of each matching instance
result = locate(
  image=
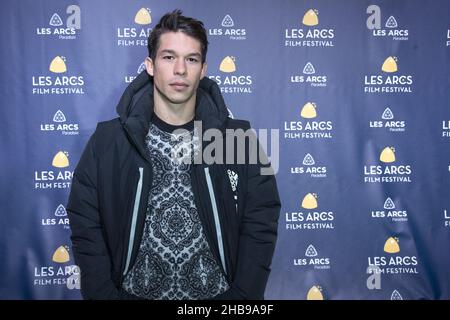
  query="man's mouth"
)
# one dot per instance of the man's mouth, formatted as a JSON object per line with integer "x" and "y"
{"x": 179, "y": 85}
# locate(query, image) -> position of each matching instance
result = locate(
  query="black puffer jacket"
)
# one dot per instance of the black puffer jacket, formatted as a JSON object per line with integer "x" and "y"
{"x": 110, "y": 188}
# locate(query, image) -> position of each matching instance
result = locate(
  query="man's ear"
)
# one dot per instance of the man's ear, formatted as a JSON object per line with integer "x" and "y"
{"x": 204, "y": 68}
{"x": 149, "y": 66}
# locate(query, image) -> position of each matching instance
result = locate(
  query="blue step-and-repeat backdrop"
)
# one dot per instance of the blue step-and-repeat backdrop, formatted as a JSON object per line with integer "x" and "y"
{"x": 358, "y": 91}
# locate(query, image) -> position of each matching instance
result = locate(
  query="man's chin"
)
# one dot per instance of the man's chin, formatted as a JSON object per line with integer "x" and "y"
{"x": 178, "y": 99}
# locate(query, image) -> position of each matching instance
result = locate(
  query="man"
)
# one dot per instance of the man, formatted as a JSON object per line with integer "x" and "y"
{"x": 147, "y": 225}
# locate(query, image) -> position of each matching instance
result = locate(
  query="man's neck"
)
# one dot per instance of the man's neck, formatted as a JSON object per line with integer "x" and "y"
{"x": 174, "y": 114}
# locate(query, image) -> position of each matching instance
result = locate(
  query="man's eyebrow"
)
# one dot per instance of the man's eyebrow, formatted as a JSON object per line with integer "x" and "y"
{"x": 168, "y": 51}
{"x": 194, "y": 54}
{"x": 174, "y": 53}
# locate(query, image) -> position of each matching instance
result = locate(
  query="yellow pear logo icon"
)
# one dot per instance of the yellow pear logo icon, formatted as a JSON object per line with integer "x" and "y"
{"x": 311, "y": 18}
{"x": 315, "y": 293}
{"x": 391, "y": 245}
{"x": 143, "y": 16}
{"x": 309, "y": 110}
{"x": 310, "y": 201}
{"x": 61, "y": 255}
{"x": 228, "y": 65}
{"x": 60, "y": 160}
{"x": 387, "y": 155}
{"x": 58, "y": 65}
{"x": 390, "y": 65}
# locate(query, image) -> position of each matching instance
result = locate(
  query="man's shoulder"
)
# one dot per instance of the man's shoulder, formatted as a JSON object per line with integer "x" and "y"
{"x": 106, "y": 133}
{"x": 238, "y": 124}
{"x": 108, "y": 126}
{"x": 109, "y": 129}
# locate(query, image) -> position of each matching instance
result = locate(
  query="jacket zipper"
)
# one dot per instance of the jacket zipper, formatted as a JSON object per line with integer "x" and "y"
{"x": 216, "y": 218}
{"x": 137, "y": 201}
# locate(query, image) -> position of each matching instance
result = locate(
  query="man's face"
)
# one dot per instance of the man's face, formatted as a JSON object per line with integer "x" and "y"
{"x": 177, "y": 68}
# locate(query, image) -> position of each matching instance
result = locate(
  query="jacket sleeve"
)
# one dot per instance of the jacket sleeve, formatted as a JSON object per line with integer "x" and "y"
{"x": 258, "y": 234}
{"x": 88, "y": 244}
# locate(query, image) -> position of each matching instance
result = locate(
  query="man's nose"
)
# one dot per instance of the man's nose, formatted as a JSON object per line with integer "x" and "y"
{"x": 180, "y": 67}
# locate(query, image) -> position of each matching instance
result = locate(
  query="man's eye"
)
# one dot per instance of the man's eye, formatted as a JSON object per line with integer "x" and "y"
{"x": 194, "y": 60}
{"x": 168, "y": 57}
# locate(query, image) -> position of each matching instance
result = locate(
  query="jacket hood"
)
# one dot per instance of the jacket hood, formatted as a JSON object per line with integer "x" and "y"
{"x": 136, "y": 103}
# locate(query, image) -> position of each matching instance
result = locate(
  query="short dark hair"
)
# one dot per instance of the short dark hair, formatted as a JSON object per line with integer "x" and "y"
{"x": 173, "y": 22}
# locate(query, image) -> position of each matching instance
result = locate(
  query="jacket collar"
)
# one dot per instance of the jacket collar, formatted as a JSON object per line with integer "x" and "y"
{"x": 135, "y": 108}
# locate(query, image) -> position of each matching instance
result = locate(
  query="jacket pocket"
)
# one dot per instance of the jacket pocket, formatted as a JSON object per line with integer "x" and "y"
{"x": 137, "y": 201}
